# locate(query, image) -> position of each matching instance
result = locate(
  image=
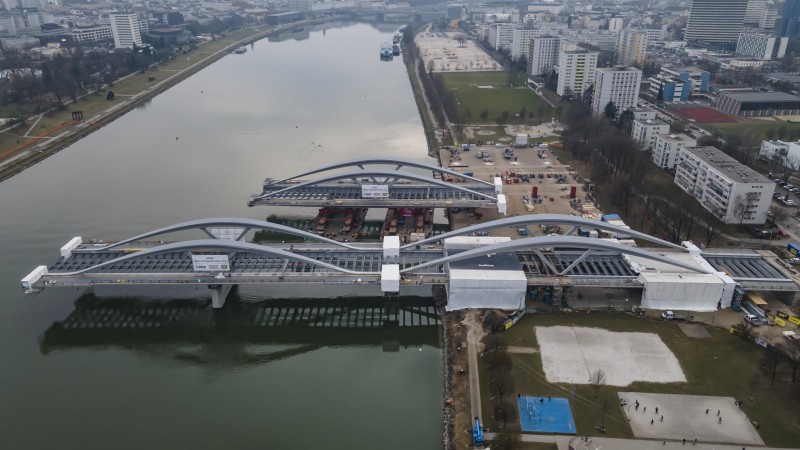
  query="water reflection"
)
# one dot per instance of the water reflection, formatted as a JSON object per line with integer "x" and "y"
{"x": 246, "y": 332}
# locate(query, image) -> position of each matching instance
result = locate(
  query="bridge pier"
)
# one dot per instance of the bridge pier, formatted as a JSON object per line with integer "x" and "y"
{"x": 219, "y": 292}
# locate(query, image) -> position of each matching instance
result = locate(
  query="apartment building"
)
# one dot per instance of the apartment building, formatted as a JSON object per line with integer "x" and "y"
{"x": 616, "y": 84}
{"x": 733, "y": 192}
{"x": 631, "y": 47}
{"x": 543, "y": 54}
{"x": 666, "y": 149}
{"x": 576, "y": 69}
{"x": 126, "y": 30}
{"x": 762, "y": 45}
{"x": 644, "y": 132}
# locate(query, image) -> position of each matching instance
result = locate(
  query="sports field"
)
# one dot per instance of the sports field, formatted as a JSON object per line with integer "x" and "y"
{"x": 703, "y": 114}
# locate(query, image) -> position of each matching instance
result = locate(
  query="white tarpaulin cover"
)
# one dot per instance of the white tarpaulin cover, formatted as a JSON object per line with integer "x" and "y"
{"x": 681, "y": 291}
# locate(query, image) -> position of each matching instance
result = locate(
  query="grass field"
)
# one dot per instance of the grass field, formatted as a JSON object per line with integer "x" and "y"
{"x": 724, "y": 365}
{"x": 500, "y": 97}
{"x": 759, "y": 127}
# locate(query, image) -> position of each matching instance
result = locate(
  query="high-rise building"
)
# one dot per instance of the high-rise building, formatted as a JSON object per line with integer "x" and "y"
{"x": 126, "y": 30}
{"x": 522, "y": 41}
{"x": 631, "y": 47}
{"x": 716, "y": 22}
{"x": 762, "y": 46}
{"x": 790, "y": 20}
{"x": 575, "y": 71}
{"x": 543, "y": 54}
{"x": 768, "y": 18}
{"x": 501, "y": 36}
{"x": 755, "y": 9}
{"x": 619, "y": 85}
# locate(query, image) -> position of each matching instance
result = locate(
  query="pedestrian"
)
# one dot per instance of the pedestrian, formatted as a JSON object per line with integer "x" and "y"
{"x": 684, "y": 441}
{"x": 720, "y": 420}
{"x": 548, "y": 398}
{"x": 645, "y": 409}
{"x": 706, "y": 412}
{"x": 662, "y": 418}
{"x": 656, "y": 409}
{"x": 665, "y": 442}
{"x": 695, "y": 441}
{"x": 651, "y": 421}
{"x": 717, "y": 413}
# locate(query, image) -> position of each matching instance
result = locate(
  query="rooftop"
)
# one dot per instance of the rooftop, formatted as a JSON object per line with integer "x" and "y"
{"x": 762, "y": 96}
{"x": 675, "y": 138}
{"x": 736, "y": 172}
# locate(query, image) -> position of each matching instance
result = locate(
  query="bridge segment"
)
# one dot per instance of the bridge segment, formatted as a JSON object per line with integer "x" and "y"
{"x": 380, "y": 188}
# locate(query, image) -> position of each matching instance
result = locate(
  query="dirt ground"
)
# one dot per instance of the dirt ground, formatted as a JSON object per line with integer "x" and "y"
{"x": 555, "y": 196}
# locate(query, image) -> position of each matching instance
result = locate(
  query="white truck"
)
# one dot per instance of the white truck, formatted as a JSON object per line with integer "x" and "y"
{"x": 521, "y": 141}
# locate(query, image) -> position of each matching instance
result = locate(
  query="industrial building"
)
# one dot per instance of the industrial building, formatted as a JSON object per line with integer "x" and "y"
{"x": 619, "y": 85}
{"x": 666, "y": 149}
{"x": 644, "y": 132}
{"x": 758, "y": 104}
{"x": 731, "y": 191}
{"x": 575, "y": 71}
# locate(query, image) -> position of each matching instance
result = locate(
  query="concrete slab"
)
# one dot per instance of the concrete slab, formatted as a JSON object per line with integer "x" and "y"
{"x": 694, "y": 331}
{"x": 571, "y": 354}
{"x": 685, "y": 417}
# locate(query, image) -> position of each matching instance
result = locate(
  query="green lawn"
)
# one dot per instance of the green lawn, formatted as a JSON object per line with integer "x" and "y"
{"x": 759, "y": 127}
{"x": 499, "y": 98}
{"x": 724, "y": 365}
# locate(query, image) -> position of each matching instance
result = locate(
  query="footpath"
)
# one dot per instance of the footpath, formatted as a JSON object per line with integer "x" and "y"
{"x": 597, "y": 443}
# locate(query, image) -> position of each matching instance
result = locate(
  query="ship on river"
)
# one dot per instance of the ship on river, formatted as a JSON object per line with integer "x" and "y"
{"x": 386, "y": 51}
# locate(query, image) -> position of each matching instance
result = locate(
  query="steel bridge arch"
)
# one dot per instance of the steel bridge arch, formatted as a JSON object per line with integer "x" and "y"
{"x": 374, "y": 173}
{"x": 542, "y": 219}
{"x": 247, "y": 224}
{"x": 215, "y": 245}
{"x": 360, "y": 163}
{"x": 588, "y": 244}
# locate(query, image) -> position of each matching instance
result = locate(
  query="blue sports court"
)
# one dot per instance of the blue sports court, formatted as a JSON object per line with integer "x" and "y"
{"x": 545, "y": 415}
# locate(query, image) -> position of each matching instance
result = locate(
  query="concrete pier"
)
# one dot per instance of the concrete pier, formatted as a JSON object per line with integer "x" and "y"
{"x": 219, "y": 292}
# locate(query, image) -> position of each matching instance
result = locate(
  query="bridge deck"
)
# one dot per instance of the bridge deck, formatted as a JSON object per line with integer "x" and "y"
{"x": 349, "y": 194}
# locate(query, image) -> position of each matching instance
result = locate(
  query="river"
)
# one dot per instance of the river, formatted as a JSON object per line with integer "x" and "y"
{"x": 200, "y": 379}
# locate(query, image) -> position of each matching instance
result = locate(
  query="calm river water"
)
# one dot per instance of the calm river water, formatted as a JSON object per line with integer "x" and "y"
{"x": 205, "y": 380}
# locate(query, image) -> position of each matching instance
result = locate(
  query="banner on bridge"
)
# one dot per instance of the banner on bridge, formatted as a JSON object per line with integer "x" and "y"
{"x": 210, "y": 263}
{"x": 374, "y": 191}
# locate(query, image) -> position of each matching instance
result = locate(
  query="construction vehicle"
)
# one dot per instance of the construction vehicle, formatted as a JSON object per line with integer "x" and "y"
{"x": 477, "y": 433}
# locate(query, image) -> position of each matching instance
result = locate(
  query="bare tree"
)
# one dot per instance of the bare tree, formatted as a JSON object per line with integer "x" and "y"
{"x": 791, "y": 350}
{"x": 597, "y": 378}
{"x": 501, "y": 383}
{"x": 771, "y": 362}
{"x": 504, "y": 412}
{"x": 789, "y": 166}
{"x": 713, "y": 228}
{"x": 742, "y": 204}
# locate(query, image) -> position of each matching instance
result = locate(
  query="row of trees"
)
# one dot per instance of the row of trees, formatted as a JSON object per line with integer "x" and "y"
{"x": 44, "y": 83}
{"x": 626, "y": 176}
{"x": 501, "y": 388}
{"x": 779, "y": 358}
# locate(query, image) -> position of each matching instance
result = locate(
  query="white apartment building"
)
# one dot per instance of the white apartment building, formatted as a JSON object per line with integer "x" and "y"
{"x": 576, "y": 69}
{"x": 733, "y": 192}
{"x": 761, "y": 45}
{"x": 666, "y": 149}
{"x": 521, "y": 45}
{"x": 501, "y": 36}
{"x": 644, "y": 132}
{"x": 97, "y": 33}
{"x": 780, "y": 149}
{"x": 543, "y": 54}
{"x": 642, "y": 113}
{"x": 616, "y": 84}
{"x": 126, "y": 30}
{"x": 631, "y": 47}
{"x": 615, "y": 24}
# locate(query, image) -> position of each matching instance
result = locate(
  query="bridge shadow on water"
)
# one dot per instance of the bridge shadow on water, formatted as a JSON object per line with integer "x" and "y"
{"x": 296, "y": 326}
